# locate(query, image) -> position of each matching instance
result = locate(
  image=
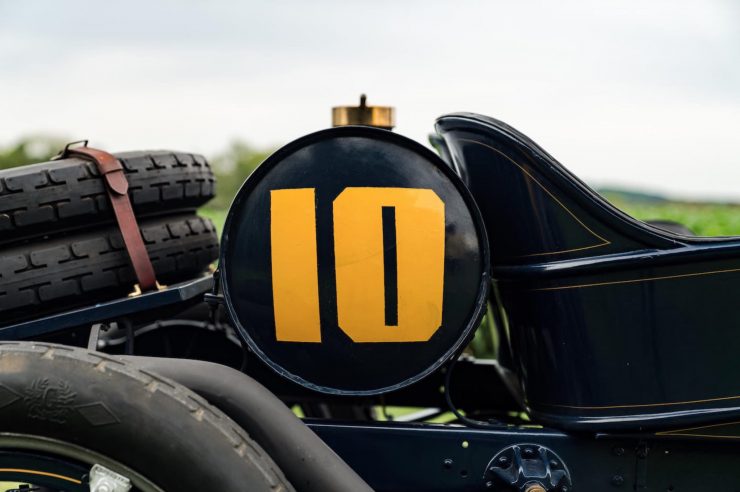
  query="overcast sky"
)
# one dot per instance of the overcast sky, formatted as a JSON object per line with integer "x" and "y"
{"x": 631, "y": 93}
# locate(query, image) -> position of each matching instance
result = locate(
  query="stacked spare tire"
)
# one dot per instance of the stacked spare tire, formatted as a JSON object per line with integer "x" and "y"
{"x": 60, "y": 246}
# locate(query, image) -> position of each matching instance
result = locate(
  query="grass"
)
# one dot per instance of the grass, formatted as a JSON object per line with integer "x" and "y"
{"x": 218, "y": 216}
{"x": 705, "y": 219}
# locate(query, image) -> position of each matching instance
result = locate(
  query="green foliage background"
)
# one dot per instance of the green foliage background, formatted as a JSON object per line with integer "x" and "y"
{"x": 28, "y": 150}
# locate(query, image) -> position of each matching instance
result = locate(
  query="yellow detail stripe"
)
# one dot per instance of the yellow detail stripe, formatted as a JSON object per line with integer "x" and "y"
{"x": 637, "y": 280}
{"x": 687, "y": 431}
{"x": 604, "y": 242}
{"x": 639, "y": 405}
{"x": 42, "y": 473}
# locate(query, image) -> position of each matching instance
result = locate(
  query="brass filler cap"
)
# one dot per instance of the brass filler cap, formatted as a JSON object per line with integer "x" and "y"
{"x": 377, "y": 116}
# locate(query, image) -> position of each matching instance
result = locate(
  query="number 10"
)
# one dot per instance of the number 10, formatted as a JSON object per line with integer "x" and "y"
{"x": 369, "y": 224}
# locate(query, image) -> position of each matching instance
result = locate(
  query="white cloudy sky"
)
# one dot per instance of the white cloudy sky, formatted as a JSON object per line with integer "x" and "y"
{"x": 644, "y": 94}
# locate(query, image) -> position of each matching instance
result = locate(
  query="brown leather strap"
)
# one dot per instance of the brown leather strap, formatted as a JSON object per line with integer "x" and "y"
{"x": 117, "y": 185}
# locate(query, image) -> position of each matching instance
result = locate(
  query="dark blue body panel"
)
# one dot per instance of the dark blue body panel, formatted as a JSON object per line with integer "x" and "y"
{"x": 614, "y": 324}
{"x": 176, "y": 296}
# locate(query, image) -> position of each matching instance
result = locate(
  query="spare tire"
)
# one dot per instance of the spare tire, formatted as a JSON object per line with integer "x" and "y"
{"x": 80, "y": 269}
{"x": 69, "y": 193}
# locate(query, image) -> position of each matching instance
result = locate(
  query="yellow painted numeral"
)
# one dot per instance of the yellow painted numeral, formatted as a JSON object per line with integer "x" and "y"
{"x": 358, "y": 253}
{"x": 295, "y": 279}
{"x": 359, "y": 264}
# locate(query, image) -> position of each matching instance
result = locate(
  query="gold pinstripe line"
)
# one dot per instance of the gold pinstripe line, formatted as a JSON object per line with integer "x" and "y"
{"x": 604, "y": 242}
{"x": 643, "y": 405}
{"x": 638, "y": 280}
{"x": 701, "y": 435}
{"x": 685, "y": 432}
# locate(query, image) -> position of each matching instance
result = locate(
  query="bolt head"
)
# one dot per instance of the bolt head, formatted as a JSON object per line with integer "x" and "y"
{"x": 617, "y": 480}
{"x": 619, "y": 451}
{"x": 503, "y": 461}
{"x": 448, "y": 463}
{"x": 535, "y": 487}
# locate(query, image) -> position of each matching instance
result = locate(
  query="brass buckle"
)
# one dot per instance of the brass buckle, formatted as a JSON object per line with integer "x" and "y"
{"x": 63, "y": 153}
{"x": 137, "y": 289}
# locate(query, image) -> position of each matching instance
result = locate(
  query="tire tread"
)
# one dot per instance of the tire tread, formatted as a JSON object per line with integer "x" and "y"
{"x": 69, "y": 193}
{"x": 86, "y": 268}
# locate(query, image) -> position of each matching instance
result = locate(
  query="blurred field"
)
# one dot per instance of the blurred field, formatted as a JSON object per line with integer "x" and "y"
{"x": 704, "y": 219}
{"x": 217, "y": 215}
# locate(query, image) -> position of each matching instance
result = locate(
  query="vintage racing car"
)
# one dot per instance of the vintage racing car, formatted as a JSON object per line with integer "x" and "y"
{"x": 353, "y": 270}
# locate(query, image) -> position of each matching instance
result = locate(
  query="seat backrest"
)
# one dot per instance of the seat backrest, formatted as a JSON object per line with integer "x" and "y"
{"x": 603, "y": 312}
{"x": 536, "y": 210}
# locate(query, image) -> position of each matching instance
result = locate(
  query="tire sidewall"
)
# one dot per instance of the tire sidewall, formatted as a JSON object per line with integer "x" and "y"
{"x": 148, "y": 423}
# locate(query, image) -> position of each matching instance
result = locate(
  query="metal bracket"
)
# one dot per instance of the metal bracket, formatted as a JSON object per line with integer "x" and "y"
{"x": 137, "y": 289}
{"x": 65, "y": 150}
{"x": 643, "y": 450}
{"x": 92, "y": 341}
{"x": 184, "y": 293}
{"x": 105, "y": 480}
{"x": 213, "y": 299}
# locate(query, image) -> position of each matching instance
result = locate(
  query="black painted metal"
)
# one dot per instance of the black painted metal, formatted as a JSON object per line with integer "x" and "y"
{"x": 178, "y": 297}
{"x": 615, "y": 323}
{"x": 477, "y": 387}
{"x": 404, "y": 457}
{"x": 330, "y": 161}
{"x": 521, "y": 467}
